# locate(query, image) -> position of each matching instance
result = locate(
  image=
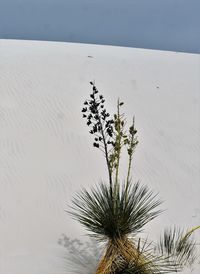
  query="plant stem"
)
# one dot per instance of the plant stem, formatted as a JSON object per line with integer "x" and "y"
{"x": 106, "y": 155}
{"x": 130, "y": 158}
{"x": 191, "y": 231}
{"x": 118, "y": 147}
{"x": 106, "y": 149}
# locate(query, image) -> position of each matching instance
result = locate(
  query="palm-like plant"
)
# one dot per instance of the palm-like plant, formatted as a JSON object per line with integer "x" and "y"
{"x": 113, "y": 212}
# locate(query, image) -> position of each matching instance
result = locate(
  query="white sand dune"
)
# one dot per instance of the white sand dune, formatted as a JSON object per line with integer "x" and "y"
{"x": 46, "y": 152}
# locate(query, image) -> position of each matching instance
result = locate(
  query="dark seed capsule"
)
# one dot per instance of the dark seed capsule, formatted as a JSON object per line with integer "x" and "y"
{"x": 131, "y": 129}
{"x": 95, "y": 145}
{"x": 95, "y": 89}
{"x": 85, "y": 103}
{"x": 89, "y": 123}
{"x": 84, "y": 109}
{"x": 84, "y": 116}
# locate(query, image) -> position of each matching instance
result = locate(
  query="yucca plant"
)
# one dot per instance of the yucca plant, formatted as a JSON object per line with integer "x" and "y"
{"x": 115, "y": 212}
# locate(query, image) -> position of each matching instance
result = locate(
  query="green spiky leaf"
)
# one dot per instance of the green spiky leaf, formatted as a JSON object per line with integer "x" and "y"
{"x": 110, "y": 217}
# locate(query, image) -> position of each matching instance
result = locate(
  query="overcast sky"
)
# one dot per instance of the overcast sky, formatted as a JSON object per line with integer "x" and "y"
{"x": 156, "y": 24}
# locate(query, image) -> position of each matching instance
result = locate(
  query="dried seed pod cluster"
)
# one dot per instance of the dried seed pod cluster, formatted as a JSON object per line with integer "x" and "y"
{"x": 98, "y": 119}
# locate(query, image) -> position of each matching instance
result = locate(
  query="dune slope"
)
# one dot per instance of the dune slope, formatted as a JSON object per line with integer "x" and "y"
{"x": 46, "y": 152}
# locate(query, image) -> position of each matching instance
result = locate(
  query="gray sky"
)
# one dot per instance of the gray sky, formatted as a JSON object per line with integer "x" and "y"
{"x": 157, "y": 24}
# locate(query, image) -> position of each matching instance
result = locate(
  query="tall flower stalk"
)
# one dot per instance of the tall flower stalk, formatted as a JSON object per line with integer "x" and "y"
{"x": 109, "y": 135}
{"x": 101, "y": 126}
{"x": 115, "y": 212}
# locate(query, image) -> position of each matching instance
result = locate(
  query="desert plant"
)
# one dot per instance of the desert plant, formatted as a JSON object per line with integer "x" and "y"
{"x": 115, "y": 212}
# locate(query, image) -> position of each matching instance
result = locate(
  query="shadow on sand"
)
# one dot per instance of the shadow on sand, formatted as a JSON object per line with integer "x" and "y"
{"x": 81, "y": 257}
